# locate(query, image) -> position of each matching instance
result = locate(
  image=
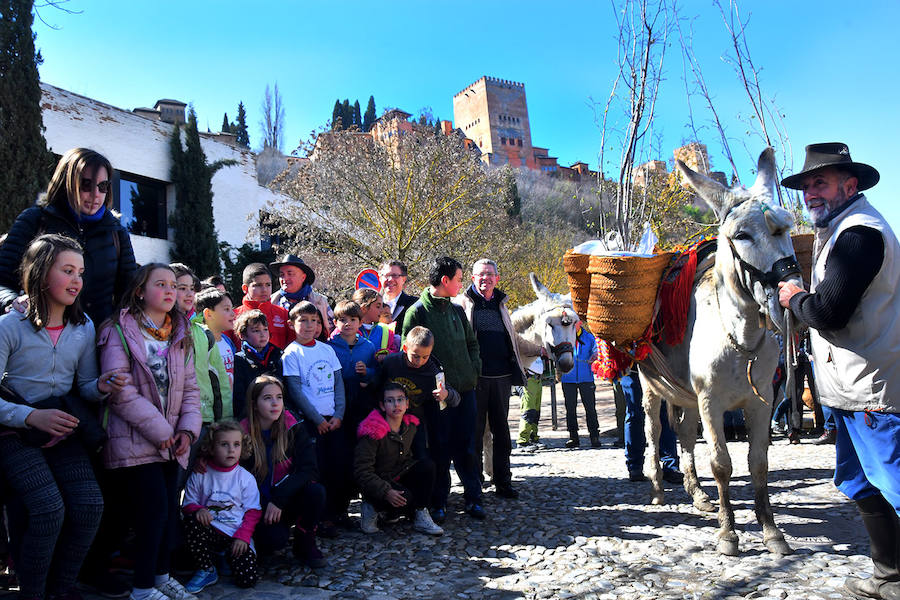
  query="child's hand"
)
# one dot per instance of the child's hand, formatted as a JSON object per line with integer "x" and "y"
{"x": 323, "y": 427}
{"x": 395, "y": 498}
{"x": 204, "y": 517}
{"x": 200, "y": 465}
{"x": 21, "y": 303}
{"x": 52, "y": 421}
{"x": 238, "y": 547}
{"x": 182, "y": 443}
{"x": 113, "y": 381}
{"x": 360, "y": 367}
{"x": 335, "y": 424}
{"x": 440, "y": 394}
{"x": 273, "y": 514}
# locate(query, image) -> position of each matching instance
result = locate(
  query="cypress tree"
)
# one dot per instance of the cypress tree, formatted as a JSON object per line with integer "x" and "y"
{"x": 196, "y": 243}
{"x": 357, "y": 119}
{"x": 369, "y": 116}
{"x": 226, "y": 126}
{"x": 23, "y": 149}
{"x": 346, "y": 114}
{"x": 240, "y": 128}
{"x": 336, "y": 120}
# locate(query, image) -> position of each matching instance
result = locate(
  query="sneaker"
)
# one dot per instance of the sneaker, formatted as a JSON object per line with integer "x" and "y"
{"x": 521, "y": 444}
{"x": 155, "y": 594}
{"x": 347, "y": 522}
{"x": 779, "y": 428}
{"x": 306, "y": 550}
{"x": 636, "y": 476}
{"x": 369, "y": 521}
{"x": 476, "y": 511}
{"x": 573, "y": 443}
{"x": 672, "y": 476}
{"x": 174, "y": 590}
{"x": 828, "y": 437}
{"x": 424, "y": 524}
{"x": 506, "y": 491}
{"x": 107, "y": 584}
{"x": 438, "y": 515}
{"x": 201, "y": 579}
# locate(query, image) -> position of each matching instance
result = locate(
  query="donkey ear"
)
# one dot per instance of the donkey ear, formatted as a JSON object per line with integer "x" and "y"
{"x": 765, "y": 176}
{"x": 539, "y": 288}
{"x": 710, "y": 190}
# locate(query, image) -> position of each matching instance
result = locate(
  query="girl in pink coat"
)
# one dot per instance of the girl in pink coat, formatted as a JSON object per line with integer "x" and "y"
{"x": 152, "y": 421}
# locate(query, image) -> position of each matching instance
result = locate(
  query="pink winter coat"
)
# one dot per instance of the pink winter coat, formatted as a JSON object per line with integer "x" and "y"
{"x": 137, "y": 425}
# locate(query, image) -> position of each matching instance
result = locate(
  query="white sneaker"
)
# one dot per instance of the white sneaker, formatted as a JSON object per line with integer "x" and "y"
{"x": 155, "y": 594}
{"x": 369, "y": 518}
{"x": 174, "y": 590}
{"x": 423, "y": 523}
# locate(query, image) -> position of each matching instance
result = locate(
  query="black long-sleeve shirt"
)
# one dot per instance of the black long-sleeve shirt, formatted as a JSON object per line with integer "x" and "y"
{"x": 855, "y": 259}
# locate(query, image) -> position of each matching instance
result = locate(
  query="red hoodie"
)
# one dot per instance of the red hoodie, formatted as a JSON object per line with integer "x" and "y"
{"x": 280, "y": 332}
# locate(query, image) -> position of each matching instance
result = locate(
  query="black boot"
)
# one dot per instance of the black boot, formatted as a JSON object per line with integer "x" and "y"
{"x": 883, "y": 527}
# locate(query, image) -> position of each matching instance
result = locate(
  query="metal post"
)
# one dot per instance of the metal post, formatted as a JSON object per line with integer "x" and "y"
{"x": 553, "y": 421}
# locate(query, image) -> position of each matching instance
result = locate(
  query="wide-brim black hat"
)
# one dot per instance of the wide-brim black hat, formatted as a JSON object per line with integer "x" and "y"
{"x": 832, "y": 154}
{"x": 295, "y": 261}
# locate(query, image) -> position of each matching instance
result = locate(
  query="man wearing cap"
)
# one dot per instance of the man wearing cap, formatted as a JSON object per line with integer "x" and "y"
{"x": 393, "y": 279}
{"x": 296, "y": 279}
{"x": 853, "y": 313}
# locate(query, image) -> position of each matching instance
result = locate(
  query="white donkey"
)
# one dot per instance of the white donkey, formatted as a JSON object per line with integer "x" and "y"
{"x": 548, "y": 323}
{"x": 728, "y": 357}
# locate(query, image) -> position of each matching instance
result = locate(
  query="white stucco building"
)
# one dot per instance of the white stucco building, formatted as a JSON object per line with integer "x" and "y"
{"x": 138, "y": 148}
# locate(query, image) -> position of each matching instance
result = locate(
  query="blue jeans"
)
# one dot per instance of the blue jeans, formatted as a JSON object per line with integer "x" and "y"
{"x": 829, "y": 424}
{"x": 635, "y": 439}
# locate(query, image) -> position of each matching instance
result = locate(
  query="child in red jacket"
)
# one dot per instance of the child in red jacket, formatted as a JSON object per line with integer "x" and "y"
{"x": 257, "y": 288}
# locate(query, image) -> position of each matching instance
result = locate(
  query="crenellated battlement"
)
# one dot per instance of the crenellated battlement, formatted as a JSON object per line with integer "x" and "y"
{"x": 493, "y": 80}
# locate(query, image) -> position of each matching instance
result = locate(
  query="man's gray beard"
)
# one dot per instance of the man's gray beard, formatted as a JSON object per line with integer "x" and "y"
{"x": 824, "y": 220}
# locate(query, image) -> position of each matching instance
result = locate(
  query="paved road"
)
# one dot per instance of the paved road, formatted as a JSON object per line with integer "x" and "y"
{"x": 580, "y": 530}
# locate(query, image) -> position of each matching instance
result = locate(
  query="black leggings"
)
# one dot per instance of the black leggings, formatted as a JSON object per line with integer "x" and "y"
{"x": 153, "y": 505}
{"x": 203, "y": 542}
{"x": 54, "y": 507}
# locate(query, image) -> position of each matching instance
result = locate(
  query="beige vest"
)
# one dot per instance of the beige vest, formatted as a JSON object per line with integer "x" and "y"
{"x": 858, "y": 367}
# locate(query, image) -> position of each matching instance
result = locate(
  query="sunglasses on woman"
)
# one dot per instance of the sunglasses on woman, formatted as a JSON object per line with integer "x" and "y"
{"x": 87, "y": 185}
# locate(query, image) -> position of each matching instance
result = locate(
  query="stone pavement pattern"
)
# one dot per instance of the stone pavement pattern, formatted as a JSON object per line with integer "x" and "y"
{"x": 580, "y": 530}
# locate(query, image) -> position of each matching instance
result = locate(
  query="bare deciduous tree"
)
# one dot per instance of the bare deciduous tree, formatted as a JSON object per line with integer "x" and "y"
{"x": 272, "y": 122}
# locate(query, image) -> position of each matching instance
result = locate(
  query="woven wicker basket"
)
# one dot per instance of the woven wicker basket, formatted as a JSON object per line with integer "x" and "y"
{"x": 623, "y": 294}
{"x": 803, "y": 250}
{"x": 576, "y": 266}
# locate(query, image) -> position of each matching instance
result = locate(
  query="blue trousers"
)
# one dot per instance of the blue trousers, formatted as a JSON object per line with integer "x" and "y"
{"x": 867, "y": 449}
{"x": 635, "y": 438}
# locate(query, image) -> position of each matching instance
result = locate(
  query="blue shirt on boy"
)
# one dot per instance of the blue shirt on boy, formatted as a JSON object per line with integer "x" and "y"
{"x": 585, "y": 348}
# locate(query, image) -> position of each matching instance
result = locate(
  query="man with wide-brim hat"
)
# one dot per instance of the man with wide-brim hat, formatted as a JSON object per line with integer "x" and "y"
{"x": 853, "y": 312}
{"x": 296, "y": 278}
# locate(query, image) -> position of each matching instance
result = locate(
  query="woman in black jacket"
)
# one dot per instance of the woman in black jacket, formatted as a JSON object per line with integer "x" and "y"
{"x": 78, "y": 204}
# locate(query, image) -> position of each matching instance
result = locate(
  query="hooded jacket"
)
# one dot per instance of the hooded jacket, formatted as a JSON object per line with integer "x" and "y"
{"x": 382, "y": 455}
{"x": 108, "y": 256}
{"x": 455, "y": 344}
{"x": 280, "y": 332}
{"x": 137, "y": 423}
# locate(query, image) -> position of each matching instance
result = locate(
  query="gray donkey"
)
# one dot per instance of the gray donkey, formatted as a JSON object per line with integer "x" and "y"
{"x": 728, "y": 356}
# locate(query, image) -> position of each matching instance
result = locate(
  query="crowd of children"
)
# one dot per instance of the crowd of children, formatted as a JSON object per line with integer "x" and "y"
{"x": 227, "y": 432}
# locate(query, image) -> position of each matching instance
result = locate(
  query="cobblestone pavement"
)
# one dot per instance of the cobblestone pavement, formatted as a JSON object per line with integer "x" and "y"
{"x": 581, "y": 530}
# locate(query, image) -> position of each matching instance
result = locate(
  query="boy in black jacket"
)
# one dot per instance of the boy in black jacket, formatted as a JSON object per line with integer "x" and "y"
{"x": 257, "y": 357}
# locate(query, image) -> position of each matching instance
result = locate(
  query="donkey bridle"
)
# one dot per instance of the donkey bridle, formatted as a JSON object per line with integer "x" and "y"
{"x": 781, "y": 270}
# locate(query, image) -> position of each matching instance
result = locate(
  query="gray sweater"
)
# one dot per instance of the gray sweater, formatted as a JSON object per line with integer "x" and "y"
{"x": 37, "y": 370}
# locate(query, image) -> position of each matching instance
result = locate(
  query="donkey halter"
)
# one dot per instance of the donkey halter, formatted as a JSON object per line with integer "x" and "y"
{"x": 562, "y": 347}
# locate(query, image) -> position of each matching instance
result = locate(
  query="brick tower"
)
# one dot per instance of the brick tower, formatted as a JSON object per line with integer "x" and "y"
{"x": 493, "y": 113}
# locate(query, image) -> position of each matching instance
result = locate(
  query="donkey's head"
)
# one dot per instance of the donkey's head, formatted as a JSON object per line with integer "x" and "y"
{"x": 754, "y": 246}
{"x": 555, "y": 321}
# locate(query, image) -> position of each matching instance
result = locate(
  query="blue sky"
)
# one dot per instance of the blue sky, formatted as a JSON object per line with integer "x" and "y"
{"x": 834, "y": 74}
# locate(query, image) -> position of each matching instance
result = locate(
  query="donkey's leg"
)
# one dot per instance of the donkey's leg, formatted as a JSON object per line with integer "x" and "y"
{"x": 653, "y": 428}
{"x": 714, "y": 426}
{"x": 756, "y": 415}
{"x": 687, "y": 435}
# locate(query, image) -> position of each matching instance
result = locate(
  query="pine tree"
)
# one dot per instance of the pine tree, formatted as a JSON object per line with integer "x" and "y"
{"x": 240, "y": 128}
{"x": 336, "y": 120}
{"x": 196, "y": 243}
{"x": 370, "y": 115}
{"x": 357, "y": 119}
{"x": 23, "y": 149}
{"x": 226, "y": 126}
{"x": 346, "y": 114}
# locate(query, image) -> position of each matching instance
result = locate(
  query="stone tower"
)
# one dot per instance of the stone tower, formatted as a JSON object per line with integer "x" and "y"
{"x": 493, "y": 113}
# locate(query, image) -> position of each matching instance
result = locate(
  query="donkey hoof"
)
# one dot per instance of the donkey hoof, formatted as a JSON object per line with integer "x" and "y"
{"x": 727, "y": 547}
{"x": 704, "y": 505}
{"x": 778, "y": 546}
{"x": 657, "y": 500}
